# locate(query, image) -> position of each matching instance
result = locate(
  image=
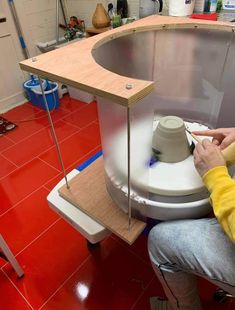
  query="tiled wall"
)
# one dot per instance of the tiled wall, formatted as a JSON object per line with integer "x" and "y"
{"x": 38, "y": 17}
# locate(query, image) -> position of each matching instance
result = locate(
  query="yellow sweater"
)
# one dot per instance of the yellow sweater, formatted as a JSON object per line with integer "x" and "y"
{"x": 222, "y": 189}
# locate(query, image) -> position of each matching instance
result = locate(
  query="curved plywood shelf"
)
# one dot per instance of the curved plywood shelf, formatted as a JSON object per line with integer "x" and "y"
{"x": 74, "y": 64}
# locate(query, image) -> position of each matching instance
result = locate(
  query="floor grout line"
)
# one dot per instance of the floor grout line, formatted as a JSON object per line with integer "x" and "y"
{"x": 43, "y": 128}
{"x": 131, "y": 251}
{"x": 49, "y": 148}
{"x": 35, "y": 239}
{"x": 30, "y": 135}
{"x": 10, "y": 141}
{"x": 20, "y": 201}
{"x": 62, "y": 284}
{"x": 47, "y": 163}
{"x": 52, "y": 147}
{"x": 10, "y": 160}
{"x": 98, "y": 146}
{"x": 83, "y": 157}
{"x": 142, "y": 293}
{"x": 9, "y": 279}
{"x": 7, "y": 175}
{"x": 72, "y": 166}
{"x": 53, "y": 143}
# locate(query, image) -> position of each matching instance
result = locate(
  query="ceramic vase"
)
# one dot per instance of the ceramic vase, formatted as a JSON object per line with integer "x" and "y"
{"x": 100, "y": 17}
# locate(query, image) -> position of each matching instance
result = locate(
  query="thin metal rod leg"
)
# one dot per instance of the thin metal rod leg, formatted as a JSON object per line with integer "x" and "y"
{"x": 10, "y": 257}
{"x": 128, "y": 168}
{"x": 57, "y": 21}
{"x": 53, "y": 133}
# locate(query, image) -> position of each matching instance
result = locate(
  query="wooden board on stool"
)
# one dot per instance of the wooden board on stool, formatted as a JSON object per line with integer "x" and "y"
{"x": 88, "y": 192}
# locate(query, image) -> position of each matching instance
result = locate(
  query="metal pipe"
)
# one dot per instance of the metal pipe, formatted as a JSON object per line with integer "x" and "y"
{"x": 18, "y": 29}
{"x": 57, "y": 21}
{"x": 53, "y": 133}
{"x": 63, "y": 12}
{"x": 128, "y": 169}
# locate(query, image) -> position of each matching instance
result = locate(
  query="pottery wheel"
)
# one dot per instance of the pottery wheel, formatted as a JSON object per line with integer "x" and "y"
{"x": 169, "y": 179}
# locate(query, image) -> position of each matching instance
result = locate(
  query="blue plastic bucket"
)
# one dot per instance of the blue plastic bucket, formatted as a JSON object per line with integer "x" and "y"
{"x": 51, "y": 93}
{"x": 31, "y": 84}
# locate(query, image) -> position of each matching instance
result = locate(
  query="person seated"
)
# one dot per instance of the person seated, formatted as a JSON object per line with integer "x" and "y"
{"x": 183, "y": 249}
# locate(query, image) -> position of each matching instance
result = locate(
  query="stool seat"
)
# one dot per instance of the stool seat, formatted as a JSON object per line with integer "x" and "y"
{"x": 90, "y": 229}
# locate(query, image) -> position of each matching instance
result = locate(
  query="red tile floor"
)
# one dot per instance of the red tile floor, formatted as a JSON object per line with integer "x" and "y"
{"x": 60, "y": 271}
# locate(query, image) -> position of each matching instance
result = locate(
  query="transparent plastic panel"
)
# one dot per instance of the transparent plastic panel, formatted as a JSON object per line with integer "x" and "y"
{"x": 113, "y": 129}
{"x": 191, "y": 69}
{"x": 227, "y": 110}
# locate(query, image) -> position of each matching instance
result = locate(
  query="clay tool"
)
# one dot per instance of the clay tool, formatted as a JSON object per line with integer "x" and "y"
{"x": 193, "y": 136}
{"x": 228, "y": 152}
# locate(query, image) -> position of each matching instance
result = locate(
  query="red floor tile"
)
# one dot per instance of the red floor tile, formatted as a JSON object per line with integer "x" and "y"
{"x": 28, "y": 128}
{"x": 74, "y": 148}
{"x": 139, "y": 247}
{"x": 38, "y": 143}
{"x": 71, "y": 104}
{"x": 83, "y": 116}
{"x": 206, "y": 291}
{"x": 110, "y": 279}
{"x": 23, "y": 182}
{"x": 52, "y": 183}
{"x": 6, "y": 166}
{"x": 21, "y": 112}
{"x": 58, "y": 114}
{"x": 34, "y": 123}
{"x": 10, "y": 297}
{"x": 22, "y": 224}
{"x": 48, "y": 262}
{"x": 5, "y": 143}
{"x": 154, "y": 289}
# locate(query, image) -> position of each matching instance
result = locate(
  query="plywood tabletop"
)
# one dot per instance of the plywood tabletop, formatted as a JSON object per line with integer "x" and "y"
{"x": 74, "y": 64}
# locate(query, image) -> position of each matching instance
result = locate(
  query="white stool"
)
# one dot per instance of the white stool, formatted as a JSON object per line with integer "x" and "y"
{"x": 8, "y": 256}
{"x": 90, "y": 229}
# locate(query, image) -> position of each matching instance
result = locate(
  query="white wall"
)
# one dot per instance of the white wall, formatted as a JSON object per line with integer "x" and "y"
{"x": 84, "y": 9}
{"x": 38, "y": 17}
{"x": 11, "y": 77}
{"x": 38, "y": 23}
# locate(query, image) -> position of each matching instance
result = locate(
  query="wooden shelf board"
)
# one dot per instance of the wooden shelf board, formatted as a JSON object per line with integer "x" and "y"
{"x": 74, "y": 64}
{"x": 87, "y": 191}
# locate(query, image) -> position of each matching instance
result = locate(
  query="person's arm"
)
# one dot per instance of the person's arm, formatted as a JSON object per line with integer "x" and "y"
{"x": 210, "y": 164}
{"x": 222, "y": 189}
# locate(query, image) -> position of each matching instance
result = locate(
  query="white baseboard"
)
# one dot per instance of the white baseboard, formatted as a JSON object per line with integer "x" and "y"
{"x": 11, "y": 102}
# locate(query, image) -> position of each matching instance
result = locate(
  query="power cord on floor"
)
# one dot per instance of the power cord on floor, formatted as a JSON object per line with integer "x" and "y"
{"x": 35, "y": 118}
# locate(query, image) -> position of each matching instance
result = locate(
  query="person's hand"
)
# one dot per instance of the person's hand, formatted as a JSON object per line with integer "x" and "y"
{"x": 207, "y": 156}
{"x": 222, "y": 137}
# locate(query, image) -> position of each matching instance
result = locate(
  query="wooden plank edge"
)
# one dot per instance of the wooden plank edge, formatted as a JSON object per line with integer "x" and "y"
{"x": 147, "y": 88}
{"x": 126, "y": 239}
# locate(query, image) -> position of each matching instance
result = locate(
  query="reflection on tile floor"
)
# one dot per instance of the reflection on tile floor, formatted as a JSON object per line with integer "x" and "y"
{"x": 60, "y": 271}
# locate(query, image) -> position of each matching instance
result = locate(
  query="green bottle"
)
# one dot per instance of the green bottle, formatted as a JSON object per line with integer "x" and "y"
{"x": 210, "y": 6}
{"x": 219, "y": 6}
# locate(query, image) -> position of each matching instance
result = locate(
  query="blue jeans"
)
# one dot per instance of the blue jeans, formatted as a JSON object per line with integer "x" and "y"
{"x": 179, "y": 250}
